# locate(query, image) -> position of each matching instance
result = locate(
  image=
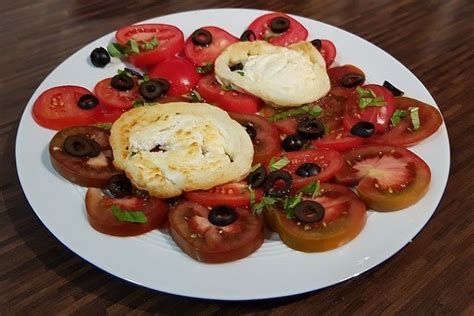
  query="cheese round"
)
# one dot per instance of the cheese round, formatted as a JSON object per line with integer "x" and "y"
{"x": 281, "y": 76}
{"x": 174, "y": 147}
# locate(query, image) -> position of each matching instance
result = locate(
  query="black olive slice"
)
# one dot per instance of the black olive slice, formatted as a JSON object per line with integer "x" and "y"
{"x": 257, "y": 177}
{"x": 133, "y": 73}
{"x": 292, "y": 143}
{"x": 151, "y": 90}
{"x": 395, "y": 91}
{"x": 308, "y": 169}
{"x": 99, "y": 57}
{"x": 122, "y": 82}
{"x": 87, "y": 102}
{"x": 222, "y": 215}
{"x": 309, "y": 211}
{"x": 278, "y": 183}
{"x": 165, "y": 85}
{"x": 120, "y": 186}
{"x": 311, "y": 129}
{"x": 77, "y": 146}
{"x": 250, "y": 129}
{"x": 352, "y": 79}
{"x": 235, "y": 67}
{"x": 363, "y": 129}
{"x": 279, "y": 24}
{"x": 95, "y": 148}
{"x": 201, "y": 37}
{"x": 248, "y": 36}
{"x": 317, "y": 44}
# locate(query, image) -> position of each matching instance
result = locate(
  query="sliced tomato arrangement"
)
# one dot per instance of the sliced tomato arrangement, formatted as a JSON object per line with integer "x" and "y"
{"x": 114, "y": 99}
{"x": 204, "y": 241}
{"x": 170, "y": 42}
{"x": 386, "y": 178}
{"x": 339, "y": 140}
{"x": 328, "y": 51}
{"x": 231, "y": 194}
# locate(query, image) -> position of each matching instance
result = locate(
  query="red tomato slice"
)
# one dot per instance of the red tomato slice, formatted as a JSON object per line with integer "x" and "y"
{"x": 330, "y": 162}
{"x": 203, "y": 241}
{"x": 114, "y": 99}
{"x": 233, "y": 100}
{"x": 230, "y": 194}
{"x": 295, "y": 33}
{"x": 107, "y": 115}
{"x": 179, "y": 72}
{"x": 57, "y": 108}
{"x": 170, "y": 42}
{"x": 378, "y": 115}
{"x": 337, "y": 73}
{"x": 339, "y": 140}
{"x": 344, "y": 218}
{"x": 267, "y": 142}
{"x": 387, "y": 178}
{"x": 328, "y": 51}
{"x": 203, "y": 55}
{"x": 403, "y": 134}
{"x": 102, "y": 219}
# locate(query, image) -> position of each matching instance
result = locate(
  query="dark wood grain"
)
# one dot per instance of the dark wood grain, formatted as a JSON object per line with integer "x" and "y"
{"x": 432, "y": 275}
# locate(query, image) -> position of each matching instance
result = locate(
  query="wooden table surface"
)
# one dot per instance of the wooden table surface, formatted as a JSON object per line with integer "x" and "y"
{"x": 432, "y": 275}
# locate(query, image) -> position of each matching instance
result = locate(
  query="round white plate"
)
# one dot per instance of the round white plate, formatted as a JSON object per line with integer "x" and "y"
{"x": 154, "y": 261}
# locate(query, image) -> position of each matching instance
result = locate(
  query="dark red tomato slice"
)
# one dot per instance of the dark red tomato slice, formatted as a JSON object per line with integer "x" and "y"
{"x": 339, "y": 140}
{"x": 113, "y": 98}
{"x": 295, "y": 33}
{"x": 57, "y": 108}
{"x": 234, "y": 101}
{"x": 170, "y": 42}
{"x": 230, "y": 194}
{"x": 203, "y": 55}
{"x": 102, "y": 219}
{"x": 179, "y": 72}
{"x": 84, "y": 171}
{"x": 330, "y": 162}
{"x": 403, "y": 134}
{"x": 336, "y": 74}
{"x": 203, "y": 241}
{"x": 107, "y": 115}
{"x": 267, "y": 142}
{"x": 387, "y": 178}
{"x": 344, "y": 218}
{"x": 378, "y": 115}
{"x": 328, "y": 51}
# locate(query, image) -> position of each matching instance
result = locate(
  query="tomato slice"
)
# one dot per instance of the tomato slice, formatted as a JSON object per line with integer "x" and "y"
{"x": 339, "y": 140}
{"x": 102, "y": 219}
{"x": 336, "y": 74}
{"x": 203, "y": 241}
{"x": 170, "y": 42}
{"x": 56, "y": 108}
{"x": 330, "y": 162}
{"x": 230, "y": 194}
{"x": 378, "y": 115}
{"x": 233, "y": 100}
{"x": 403, "y": 133}
{"x": 179, "y": 72}
{"x": 386, "y": 178}
{"x": 295, "y": 33}
{"x": 267, "y": 142}
{"x": 328, "y": 51}
{"x": 203, "y": 55}
{"x": 344, "y": 218}
{"x": 114, "y": 99}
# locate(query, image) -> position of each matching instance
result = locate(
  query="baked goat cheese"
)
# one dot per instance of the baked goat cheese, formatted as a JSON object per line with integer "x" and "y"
{"x": 281, "y": 76}
{"x": 174, "y": 147}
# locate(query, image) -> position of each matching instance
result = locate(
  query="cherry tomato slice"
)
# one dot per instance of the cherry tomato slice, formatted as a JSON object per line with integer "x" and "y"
{"x": 230, "y": 194}
{"x": 336, "y": 74}
{"x": 267, "y": 142}
{"x": 170, "y": 42}
{"x": 386, "y": 178}
{"x": 102, "y": 219}
{"x": 403, "y": 134}
{"x": 114, "y": 99}
{"x": 179, "y": 72}
{"x": 295, "y": 33}
{"x": 233, "y": 100}
{"x": 339, "y": 140}
{"x": 344, "y": 218}
{"x": 203, "y": 241}
{"x": 328, "y": 51}
{"x": 203, "y": 55}
{"x": 57, "y": 108}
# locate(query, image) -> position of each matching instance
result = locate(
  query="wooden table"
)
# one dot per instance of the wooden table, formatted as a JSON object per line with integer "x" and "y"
{"x": 432, "y": 275}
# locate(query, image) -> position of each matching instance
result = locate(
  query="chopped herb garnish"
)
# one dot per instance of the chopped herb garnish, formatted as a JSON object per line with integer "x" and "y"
{"x": 151, "y": 44}
{"x": 252, "y": 196}
{"x": 117, "y": 50}
{"x": 264, "y": 202}
{"x": 129, "y": 216}
{"x": 415, "y": 118}
{"x": 240, "y": 72}
{"x": 104, "y": 125}
{"x": 397, "y": 116}
{"x": 314, "y": 110}
{"x": 134, "y": 46}
{"x": 313, "y": 189}
{"x": 205, "y": 69}
{"x": 367, "y": 98}
{"x": 269, "y": 36}
{"x": 280, "y": 163}
{"x": 138, "y": 103}
{"x": 195, "y": 96}
{"x": 228, "y": 87}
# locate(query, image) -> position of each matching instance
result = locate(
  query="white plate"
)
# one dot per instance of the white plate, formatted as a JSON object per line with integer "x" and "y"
{"x": 154, "y": 261}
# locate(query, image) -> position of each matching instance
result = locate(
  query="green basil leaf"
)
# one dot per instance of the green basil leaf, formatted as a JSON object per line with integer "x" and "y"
{"x": 205, "y": 69}
{"x": 415, "y": 118}
{"x": 117, "y": 50}
{"x": 397, "y": 116}
{"x": 134, "y": 46}
{"x": 129, "y": 216}
{"x": 280, "y": 163}
{"x": 195, "y": 96}
{"x": 104, "y": 125}
{"x": 240, "y": 72}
